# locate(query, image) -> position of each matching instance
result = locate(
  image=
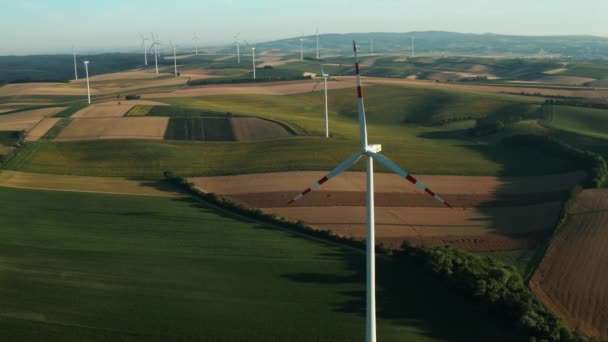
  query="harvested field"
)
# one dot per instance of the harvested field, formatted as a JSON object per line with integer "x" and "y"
{"x": 126, "y": 75}
{"x": 491, "y": 213}
{"x": 566, "y": 80}
{"x": 41, "y": 129}
{"x": 571, "y": 280}
{"x": 109, "y": 185}
{"x": 266, "y": 88}
{"x": 248, "y": 129}
{"x": 584, "y": 93}
{"x": 25, "y": 120}
{"x": 115, "y": 128}
{"x": 112, "y": 109}
{"x": 420, "y": 225}
{"x": 4, "y": 110}
{"x": 202, "y": 129}
{"x": 22, "y": 89}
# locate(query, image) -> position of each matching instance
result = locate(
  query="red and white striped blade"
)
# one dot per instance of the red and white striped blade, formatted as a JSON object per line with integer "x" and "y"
{"x": 341, "y": 168}
{"x": 360, "y": 102}
{"x": 401, "y": 172}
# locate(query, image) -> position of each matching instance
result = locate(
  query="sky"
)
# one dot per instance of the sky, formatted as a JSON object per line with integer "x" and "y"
{"x": 53, "y": 26}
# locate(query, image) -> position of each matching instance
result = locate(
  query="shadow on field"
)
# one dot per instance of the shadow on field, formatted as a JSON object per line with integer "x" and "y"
{"x": 407, "y": 296}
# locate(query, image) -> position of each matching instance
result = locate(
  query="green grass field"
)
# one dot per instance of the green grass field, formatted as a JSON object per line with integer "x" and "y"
{"x": 582, "y": 121}
{"x": 597, "y": 71}
{"x": 91, "y": 267}
{"x": 419, "y": 148}
{"x": 9, "y": 138}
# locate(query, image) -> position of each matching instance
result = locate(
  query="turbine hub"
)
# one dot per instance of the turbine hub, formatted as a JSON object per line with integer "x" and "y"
{"x": 375, "y": 148}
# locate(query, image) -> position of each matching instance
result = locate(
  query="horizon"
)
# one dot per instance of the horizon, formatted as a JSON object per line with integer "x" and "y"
{"x": 44, "y": 28}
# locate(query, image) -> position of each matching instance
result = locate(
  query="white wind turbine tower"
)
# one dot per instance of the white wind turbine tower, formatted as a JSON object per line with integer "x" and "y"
{"x": 325, "y": 77}
{"x": 196, "y": 40}
{"x": 413, "y": 46}
{"x": 174, "y": 57}
{"x": 143, "y": 44}
{"x": 86, "y": 70}
{"x": 318, "y": 52}
{"x": 75, "y": 66}
{"x": 237, "y": 42}
{"x": 302, "y": 47}
{"x": 371, "y": 152}
{"x": 155, "y": 44}
{"x": 371, "y": 47}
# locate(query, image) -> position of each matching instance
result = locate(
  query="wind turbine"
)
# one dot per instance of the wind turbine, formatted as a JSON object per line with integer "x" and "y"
{"x": 75, "y": 67}
{"x": 413, "y": 46}
{"x": 371, "y": 47}
{"x": 302, "y": 47}
{"x": 155, "y": 44}
{"x": 237, "y": 42}
{"x": 174, "y": 57}
{"x": 325, "y": 79}
{"x": 372, "y": 152}
{"x": 318, "y": 52}
{"x": 143, "y": 44}
{"x": 196, "y": 40}
{"x": 86, "y": 70}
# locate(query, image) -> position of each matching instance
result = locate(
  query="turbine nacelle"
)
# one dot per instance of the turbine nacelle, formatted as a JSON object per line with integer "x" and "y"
{"x": 373, "y": 148}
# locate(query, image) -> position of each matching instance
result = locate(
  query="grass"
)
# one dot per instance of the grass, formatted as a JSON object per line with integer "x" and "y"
{"x": 9, "y": 138}
{"x": 139, "y": 110}
{"x": 580, "y": 120}
{"x": 181, "y": 112}
{"x": 419, "y": 148}
{"x": 597, "y": 71}
{"x": 94, "y": 267}
{"x": 525, "y": 260}
{"x": 202, "y": 129}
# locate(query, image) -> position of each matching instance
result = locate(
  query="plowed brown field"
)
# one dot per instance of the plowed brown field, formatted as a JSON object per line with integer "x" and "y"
{"x": 25, "y": 120}
{"x": 572, "y": 280}
{"x": 248, "y": 129}
{"x": 491, "y": 213}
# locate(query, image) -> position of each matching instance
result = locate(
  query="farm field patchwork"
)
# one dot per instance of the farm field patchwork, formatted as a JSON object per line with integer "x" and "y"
{"x": 111, "y": 109}
{"x": 571, "y": 280}
{"x": 41, "y": 129}
{"x": 490, "y": 213}
{"x": 95, "y": 267}
{"x": 589, "y": 122}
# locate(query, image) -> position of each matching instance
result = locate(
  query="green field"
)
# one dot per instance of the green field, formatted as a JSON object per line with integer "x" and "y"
{"x": 9, "y": 138}
{"x": 396, "y": 118}
{"x": 580, "y": 120}
{"x": 91, "y": 267}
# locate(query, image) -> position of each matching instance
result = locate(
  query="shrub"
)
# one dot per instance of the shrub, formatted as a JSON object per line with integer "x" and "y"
{"x": 132, "y": 97}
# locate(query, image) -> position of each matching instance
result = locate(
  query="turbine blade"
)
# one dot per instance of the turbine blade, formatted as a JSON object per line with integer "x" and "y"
{"x": 401, "y": 172}
{"x": 360, "y": 103}
{"x": 316, "y": 85}
{"x": 341, "y": 168}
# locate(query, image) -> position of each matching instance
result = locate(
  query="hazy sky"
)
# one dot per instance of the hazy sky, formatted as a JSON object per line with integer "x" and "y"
{"x": 36, "y": 26}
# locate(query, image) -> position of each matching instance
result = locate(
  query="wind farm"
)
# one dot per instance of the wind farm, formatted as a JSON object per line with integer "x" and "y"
{"x": 154, "y": 201}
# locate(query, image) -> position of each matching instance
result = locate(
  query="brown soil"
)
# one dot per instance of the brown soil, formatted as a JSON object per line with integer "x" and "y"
{"x": 247, "y": 129}
{"x": 490, "y": 213}
{"x": 115, "y": 128}
{"x": 387, "y": 183}
{"x": 23, "y": 89}
{"x": 41, "y": 128}
{"x": 571, "y": 280}
{"x": 395, "y": 224}
{"x": 25, "y": 120}
{"x": 113, "y": 185}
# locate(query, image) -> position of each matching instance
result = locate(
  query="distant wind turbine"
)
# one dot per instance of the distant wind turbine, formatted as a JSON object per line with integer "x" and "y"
{"x": 174, "y": 57}
{"x": 196, "y": 40}
{"x": 371, "y": 47}
{"x": 302, "y": 47}
{"x": 143, "y": 44}
{"x": 371, "y": 152}
{"x": 318, "y": 51}
{"x": 413, "y": 46}
{"x": 325, "y": 77}
{"x": 155, "y": 44}
{"x": 86, "y": 70}
{"x": 252, "y": 57}
{"x": 237, "y": 42}
{"x": 75, "y": 66}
